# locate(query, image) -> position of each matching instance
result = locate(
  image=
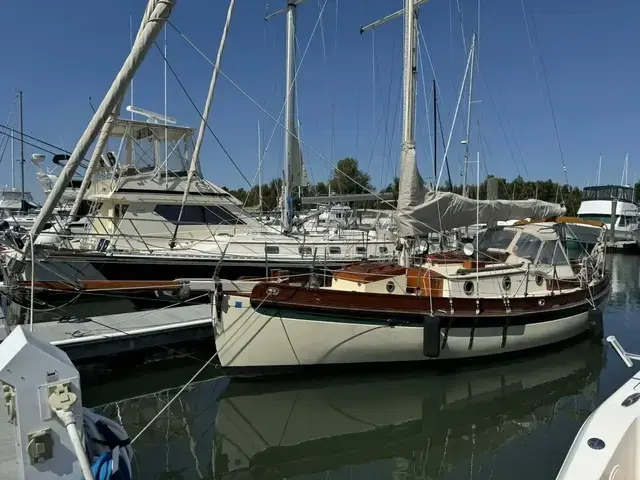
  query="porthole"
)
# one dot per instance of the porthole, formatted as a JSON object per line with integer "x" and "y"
{"x": 539, "y": 280}
{"x": 361, "y": 250}
{"x": 506, "y": 283}
{"x": 541, "y": 302}
{"x": 468, "y": 287}
{"x": 390, "y": 287}
{"x": 334, "y": 250}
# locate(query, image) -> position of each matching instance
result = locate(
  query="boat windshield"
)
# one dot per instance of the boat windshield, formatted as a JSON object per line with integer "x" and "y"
{"x": 552, "y": 254}
{"x": 527, "y": 247}
{"x": 499, "y": 238}
{"x": 607, "y": 192}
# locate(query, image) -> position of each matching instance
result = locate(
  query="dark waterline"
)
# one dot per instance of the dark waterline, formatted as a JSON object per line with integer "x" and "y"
{"x": 513, "y": 417}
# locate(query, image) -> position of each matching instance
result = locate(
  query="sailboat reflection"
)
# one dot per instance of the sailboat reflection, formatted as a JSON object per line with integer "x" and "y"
{"x": 283, "y": 430}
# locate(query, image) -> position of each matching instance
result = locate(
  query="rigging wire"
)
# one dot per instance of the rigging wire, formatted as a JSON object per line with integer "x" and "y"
{"x": 386, "y": 107}
{"x": 426, "y": 107}
{"x": 207, "y": 363}
{"x": 295, "y": 76}
{"x": 309, "y": 147}
{"x": 553, "y": 112}
{"x": 184, "y": 90}
{"x": 6, "y": 143}
{"x": 39, "y": 147}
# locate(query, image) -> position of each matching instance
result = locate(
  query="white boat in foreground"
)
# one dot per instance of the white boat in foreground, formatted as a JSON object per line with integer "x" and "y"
{"x": 607, "y": 444}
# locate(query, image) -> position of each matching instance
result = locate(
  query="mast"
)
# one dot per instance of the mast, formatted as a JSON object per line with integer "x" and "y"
{"x": 466, "y": 142}
{"x": 625, "y": 175}
{"x": 409, "y": 76}
{"x": 410, "y": 187}
{"x": 435, "y": 133}
{"x": 289, "y": 119}
{"x": 13, "y": 163}
{"x": 21, "y": 150}
{"x": 259, "y": 170}
{"x": 599, "y": 168}
{"x": 193, "y": 167}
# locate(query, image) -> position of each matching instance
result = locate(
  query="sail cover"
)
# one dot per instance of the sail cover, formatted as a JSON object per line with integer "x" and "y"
{"x": 443, "y": 211}
{"x": 421, "y": 212}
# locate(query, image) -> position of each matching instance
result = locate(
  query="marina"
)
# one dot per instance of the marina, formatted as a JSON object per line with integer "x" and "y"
{"x": 365, "y": 313}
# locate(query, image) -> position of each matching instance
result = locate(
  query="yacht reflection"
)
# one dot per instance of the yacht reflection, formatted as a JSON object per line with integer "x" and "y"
{"x": 283, "y": 430}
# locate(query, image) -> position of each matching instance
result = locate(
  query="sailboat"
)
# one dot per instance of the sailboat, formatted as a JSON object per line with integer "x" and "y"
{"x": 513, "y": 289}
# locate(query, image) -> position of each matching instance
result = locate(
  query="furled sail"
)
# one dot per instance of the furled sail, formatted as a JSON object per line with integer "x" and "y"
{"x": 296, "y": 169}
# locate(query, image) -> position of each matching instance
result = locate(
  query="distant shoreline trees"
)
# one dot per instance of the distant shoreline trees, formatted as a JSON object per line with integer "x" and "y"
{"x": 347, "y": 178}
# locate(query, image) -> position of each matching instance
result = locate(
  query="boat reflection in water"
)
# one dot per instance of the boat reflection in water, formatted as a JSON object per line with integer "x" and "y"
{"x": 422, "y": 425}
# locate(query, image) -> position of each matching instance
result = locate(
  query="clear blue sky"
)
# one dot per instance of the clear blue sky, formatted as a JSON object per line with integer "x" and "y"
{"x": 60, "y": 57}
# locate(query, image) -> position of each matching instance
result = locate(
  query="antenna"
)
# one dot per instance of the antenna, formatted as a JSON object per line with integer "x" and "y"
{"x": 152, "y": 117}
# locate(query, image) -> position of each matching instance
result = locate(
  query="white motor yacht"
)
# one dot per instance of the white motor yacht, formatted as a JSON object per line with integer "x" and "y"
{"x": 597, "y": 204}
{"x": 137, "y": 226}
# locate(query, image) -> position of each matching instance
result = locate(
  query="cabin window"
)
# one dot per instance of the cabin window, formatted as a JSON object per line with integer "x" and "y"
{"x": 506, "y": 283}
{"x": 304, "y": 250}
{"x": 270, "y": 249}
{"x": 197, "y": 215}
{"x": 494, "y": 238}
{"x": 215, "y": 215}
{"x": 623, "y": 221}
{"x": 527, "y": 247}
{"x": 383, "y": 249}
{"x": 334, "y": 250}
{"x": 361, "y": 250}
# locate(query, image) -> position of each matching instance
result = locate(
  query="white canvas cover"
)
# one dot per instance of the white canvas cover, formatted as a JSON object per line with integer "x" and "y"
{"x": 441, "y": 211}
{"x": 421, "y": 212}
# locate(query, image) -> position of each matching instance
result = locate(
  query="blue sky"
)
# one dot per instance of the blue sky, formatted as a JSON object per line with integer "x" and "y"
{"x": 60, "y": 57}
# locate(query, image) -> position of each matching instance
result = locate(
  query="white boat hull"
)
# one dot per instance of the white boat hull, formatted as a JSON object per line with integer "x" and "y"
{"x": 247, "y": 339}
{"x": 606, "y": 446}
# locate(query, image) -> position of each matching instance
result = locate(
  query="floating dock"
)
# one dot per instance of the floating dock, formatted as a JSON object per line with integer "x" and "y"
{"x": 91, "y": 338}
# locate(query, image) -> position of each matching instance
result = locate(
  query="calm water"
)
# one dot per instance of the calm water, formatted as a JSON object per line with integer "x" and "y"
{"x": 502, "y": 420}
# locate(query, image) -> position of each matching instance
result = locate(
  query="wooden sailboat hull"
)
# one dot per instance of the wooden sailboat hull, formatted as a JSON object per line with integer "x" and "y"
{"x": 282, "y": 336}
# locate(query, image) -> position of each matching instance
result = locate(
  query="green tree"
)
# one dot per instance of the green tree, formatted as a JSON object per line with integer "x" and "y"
{"x": 347, "y": 178}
